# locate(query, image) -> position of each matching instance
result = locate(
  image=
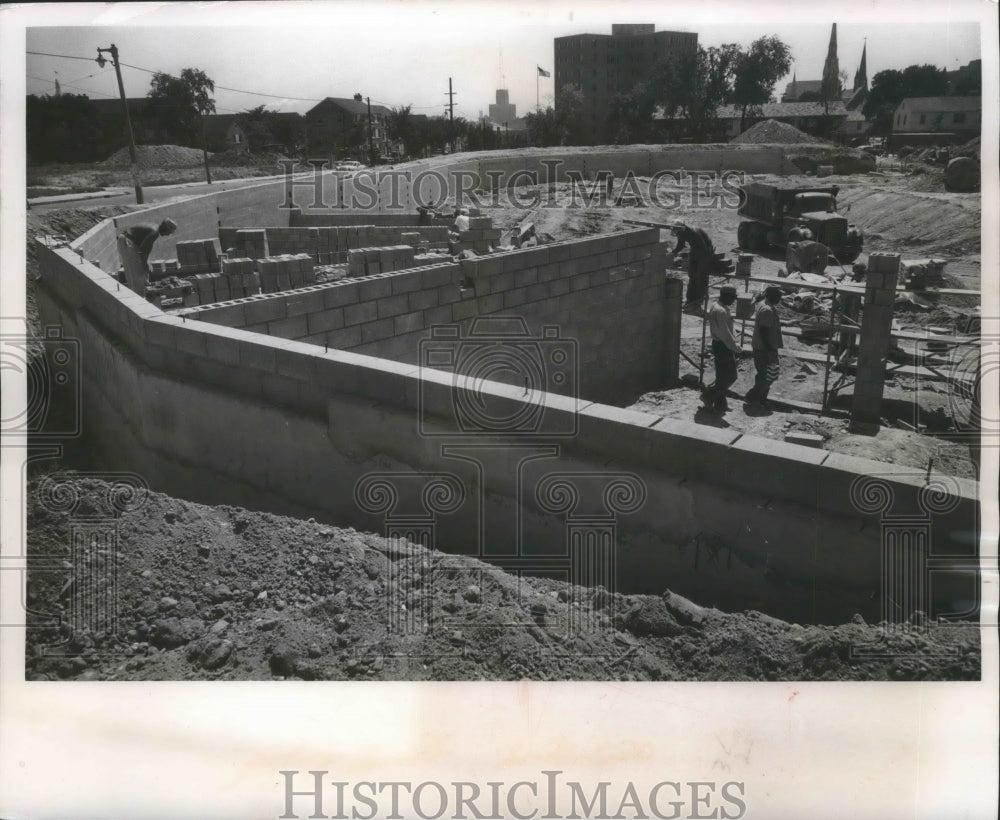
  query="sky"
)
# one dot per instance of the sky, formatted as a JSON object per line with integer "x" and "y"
{"x": 404, "y": 53}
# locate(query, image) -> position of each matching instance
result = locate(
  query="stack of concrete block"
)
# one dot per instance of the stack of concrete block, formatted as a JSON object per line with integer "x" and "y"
{"x": 481, "y": 234}
{"x": 236, "y": 282}
{"x": 369, "y": 261}
{"x": 198, "y": 256}
{"x": 252, "y": 243}
{"x": 285, "y": 272}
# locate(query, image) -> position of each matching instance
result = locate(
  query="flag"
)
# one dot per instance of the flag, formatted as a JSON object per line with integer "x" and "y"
{"x": 542, "y": 72}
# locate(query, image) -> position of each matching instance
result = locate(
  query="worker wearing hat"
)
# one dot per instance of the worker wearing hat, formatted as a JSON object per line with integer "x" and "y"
{"x": 135, "y": 244}
{"x": 725, "y": 351}
{"x": 766, "y": 344}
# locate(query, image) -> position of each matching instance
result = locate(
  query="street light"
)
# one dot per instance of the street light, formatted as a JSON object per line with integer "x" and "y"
{"x": 113, "y": 51}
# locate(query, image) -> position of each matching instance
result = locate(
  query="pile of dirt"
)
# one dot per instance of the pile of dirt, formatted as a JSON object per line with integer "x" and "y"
{"x": 155, "y": 156}
{"x": 224, "y": 593}
{"x": 772, "y": 132}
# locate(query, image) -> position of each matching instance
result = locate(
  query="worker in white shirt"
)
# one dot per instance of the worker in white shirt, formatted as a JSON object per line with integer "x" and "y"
{"x": 725, "y": 350}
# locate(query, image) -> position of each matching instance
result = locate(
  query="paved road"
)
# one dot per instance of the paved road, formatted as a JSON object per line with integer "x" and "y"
{"x": 156, "y": 193}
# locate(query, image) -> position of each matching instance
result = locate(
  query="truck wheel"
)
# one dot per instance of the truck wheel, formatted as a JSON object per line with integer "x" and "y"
{"x": 758, "y": 238}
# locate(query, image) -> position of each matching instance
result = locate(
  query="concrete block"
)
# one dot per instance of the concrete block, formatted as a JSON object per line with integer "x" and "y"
{"x": 559, "y": 287}
{"x": 502, "y": 282}
{"x": 374, "y": 331}
{"x": 258, "y": 354}
{"x": 340, "y": 295}
{"x": 294, "y": 327}
{"x": 360, "y": 313}
{"x": 439, "y": 276}
{"x": 222, "y": 346}
{"x": 805, "y": 439}
{"x": 437, "y": 316}
{"x": 268, "y": 309}
{"x": 393, "y": 306}
{"x": 189, "y": 337}
{"x": 345, "y": 338}
{"x": 535, "y": 293}
{"x": 406, "y": 283}
{"x": 422, "y": 299}
{"x": 374, "y": 288}
{"x": 489, "y": 304}
{"x": 464, "y": 309}
{"x": 325, "y": 320}
{"x": 303, "y": 302}
{"x": 790, "y": 469}
{"x": 513, "y": 298}
{"x": 408, "y": 323}
{"x": 523, "y": 278}
{"x": 296, "y": 360}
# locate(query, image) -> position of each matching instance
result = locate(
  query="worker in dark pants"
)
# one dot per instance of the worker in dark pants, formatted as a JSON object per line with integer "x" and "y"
{"x": 766, "y": 344}
{"x": 725, "y": 351}
{"x": 134, "y": 247}
{"x": 700, "y": 259}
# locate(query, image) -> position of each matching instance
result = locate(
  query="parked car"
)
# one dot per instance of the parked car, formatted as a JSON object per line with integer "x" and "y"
{"x": 348, "y": 165}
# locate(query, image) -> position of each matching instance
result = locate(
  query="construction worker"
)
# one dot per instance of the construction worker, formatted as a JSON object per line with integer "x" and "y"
{"x": 134, "y": 247}
{"x": 725, "y": 350}
{"x": 700, "y": 260}
{"x": 766, "y": 344}
{"x": 459, "y": 228}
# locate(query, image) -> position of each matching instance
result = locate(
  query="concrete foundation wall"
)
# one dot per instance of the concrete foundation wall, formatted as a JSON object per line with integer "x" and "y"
{"x": 224, "y": 415}
{"x": 588, "y": 290}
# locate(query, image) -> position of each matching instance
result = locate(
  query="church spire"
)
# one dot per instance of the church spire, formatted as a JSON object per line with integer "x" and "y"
{"x": 831, "y": 70}
{"x": 861, "y": 78}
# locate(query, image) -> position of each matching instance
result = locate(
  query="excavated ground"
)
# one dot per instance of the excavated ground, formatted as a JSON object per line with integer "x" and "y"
{"x": 223, "y": 593}
{"x": 226, "y": 593}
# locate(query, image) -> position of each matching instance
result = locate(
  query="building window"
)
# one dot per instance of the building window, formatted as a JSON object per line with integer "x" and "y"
{"x": 923, "y": 119}
{"x": 959, "y": 117}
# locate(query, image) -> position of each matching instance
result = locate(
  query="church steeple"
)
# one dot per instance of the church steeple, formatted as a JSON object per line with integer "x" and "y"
{"x": 861, "y": 77}
{"x": 831, "y": 70}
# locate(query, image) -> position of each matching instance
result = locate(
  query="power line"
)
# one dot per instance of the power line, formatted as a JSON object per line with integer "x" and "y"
{"x": 222, "y": 87}
{"x": 63, "y": 56}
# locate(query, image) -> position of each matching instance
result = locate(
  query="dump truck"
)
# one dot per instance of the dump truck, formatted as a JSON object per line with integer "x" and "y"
{"x": 776, "y": 215}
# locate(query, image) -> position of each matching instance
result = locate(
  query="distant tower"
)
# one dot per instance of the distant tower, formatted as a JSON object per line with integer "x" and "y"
{"x": 831, "y": 70}
{"x": 861, "y": 77}
{"x": 58, "y": 90}
{"x": 795, "y": 91}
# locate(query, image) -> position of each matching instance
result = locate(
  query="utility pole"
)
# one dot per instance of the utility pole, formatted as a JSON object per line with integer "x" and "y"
{"x": 371, "y": 148}
{"x": 451, "y": 116}
{"x": 113, "y": 51}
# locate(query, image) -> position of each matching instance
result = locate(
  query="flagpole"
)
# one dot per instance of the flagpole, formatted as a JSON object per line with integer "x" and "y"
{"x": 537, "y": 75}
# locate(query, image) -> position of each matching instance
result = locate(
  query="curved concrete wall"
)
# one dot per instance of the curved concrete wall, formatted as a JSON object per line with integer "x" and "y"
{"x": 225, "y": 415}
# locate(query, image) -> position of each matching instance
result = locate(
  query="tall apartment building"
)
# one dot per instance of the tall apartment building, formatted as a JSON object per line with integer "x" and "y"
{"x": 604, "y": 65}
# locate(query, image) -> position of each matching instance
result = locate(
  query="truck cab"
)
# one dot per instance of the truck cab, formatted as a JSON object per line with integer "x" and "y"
{"x": 777, "y": 216}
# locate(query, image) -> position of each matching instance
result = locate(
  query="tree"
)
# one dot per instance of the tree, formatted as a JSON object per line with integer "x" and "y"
{"x": 890, "y": 87}
{"x": 66, "y": 129}
{"x": 570, "y": 127}
{"x": 401, "y": 128}
{"x": 264, "y": 127}
{"x": 254, "y": 122}
{"x": 631, "y": 114}
{"x": 696, "y": 85}
{"x": 758, "y": 70}
{"x": 179, "y": 103}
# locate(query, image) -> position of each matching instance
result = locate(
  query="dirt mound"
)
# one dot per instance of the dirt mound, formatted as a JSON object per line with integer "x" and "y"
{"x": 225, "y": 593}
{"x": 970, "y": 149}
{"x": 155, "y": 156}
{"x": 775, "y": 133}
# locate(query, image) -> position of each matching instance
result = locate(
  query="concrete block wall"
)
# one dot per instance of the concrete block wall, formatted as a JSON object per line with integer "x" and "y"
{"x": 222, "y": 415}
{"x": 604, "y": 297}
{"x": 200, "y": 216}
